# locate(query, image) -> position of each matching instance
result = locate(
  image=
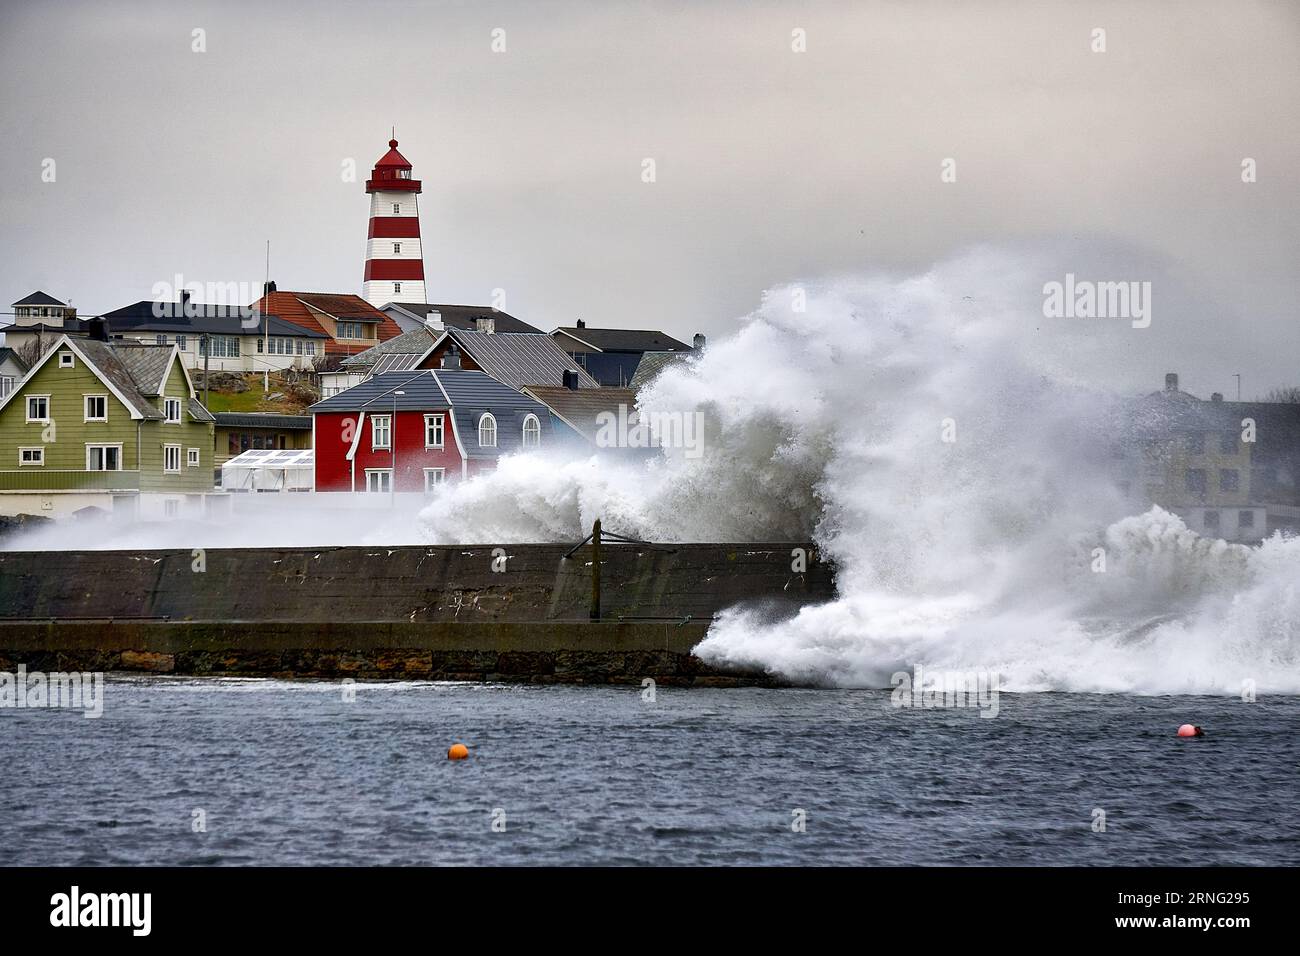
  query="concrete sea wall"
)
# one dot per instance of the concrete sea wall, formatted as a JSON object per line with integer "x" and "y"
{"x": 510, "y": 612}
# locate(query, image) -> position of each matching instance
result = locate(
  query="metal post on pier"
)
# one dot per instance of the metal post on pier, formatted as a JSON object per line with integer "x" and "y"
{"x": 595, "y": 571}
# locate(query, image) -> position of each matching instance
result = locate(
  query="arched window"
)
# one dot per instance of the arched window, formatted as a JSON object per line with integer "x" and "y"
{"x": 532, "y": 431}
{"x": 487, "y": 431}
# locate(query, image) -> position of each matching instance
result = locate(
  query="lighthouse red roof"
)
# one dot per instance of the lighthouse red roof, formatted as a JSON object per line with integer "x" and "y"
{"x": 393, "y": 157}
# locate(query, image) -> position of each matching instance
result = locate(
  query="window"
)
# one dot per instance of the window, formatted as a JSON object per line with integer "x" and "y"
{"x": 220, "y": 346}
{"x": 38, "y": 408}
{"x": 1196, "y": 443}
{"x": 350, "y": 330}
{"x": 1228, "y": 479}
{"x": 31, "y": 456}
{"x": 172, "y": 410}
{"x": 1211, "y": 521}
{"x": 160, "y": 339}
{"x": 434, "y": 477}
{"x": 260, "y": 344}
{"x": 1245, "y": 519}
{"x": 1195, "y": 481}
{"x": 397, "y": 287}
{"x": 397, "y": 248}
{"x": 192, "y": 457}
{"x": 103, "y": 458}
{"x": 96, "y": 408}
{"x": 379, "y": 479}
{"x": 1228, "y": 443}
{"x": 380, "y": 436}
{"x": 6, "y": 385}
{"x": 532, "y": 432}
{"x": 172, "y": 459}
{"x": 487, "y": 431}
{"x": 397, "y": 209}
{"x": 311, "y": 348}
{"x": 433, "y": 431}
{"x": 180, "y": 342}
{"x": 66, "y": 360}
{"x": 298, "y": 345}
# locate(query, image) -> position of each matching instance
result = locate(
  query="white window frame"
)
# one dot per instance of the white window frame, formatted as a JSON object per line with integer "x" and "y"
{"x": 86, "y": 408}
{"x": 27, "y": 407}
{"x": 167, "y": 406}
{"x": 441, "y": 431}
{"x": 40, "y": 457}
{"x": 7, "y": 383}
{"x": 67, "y": 360}
{"x": 193, "y": 457}
{"x": 438, "y": 474}
{"x": 387, "y": 421}
{"x": 523, "y": 438}
{"x": 374, "y": 476}
{"x": 171, "y": 471}
{"x": 487, "y": 417}
{"x": 91, "y": 445}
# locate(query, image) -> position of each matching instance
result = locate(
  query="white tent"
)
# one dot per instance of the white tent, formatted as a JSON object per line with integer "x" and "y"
{"x": 269, "y": 469}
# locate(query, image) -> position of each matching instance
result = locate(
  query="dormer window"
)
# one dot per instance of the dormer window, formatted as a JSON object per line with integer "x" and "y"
{"x": 487, "y": 431}
{"x": 172, "y": 411}
{"x": 66, "y": 360}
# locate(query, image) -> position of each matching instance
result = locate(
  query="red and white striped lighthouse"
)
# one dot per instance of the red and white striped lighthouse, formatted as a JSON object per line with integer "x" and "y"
{"x": 394, "y": 259}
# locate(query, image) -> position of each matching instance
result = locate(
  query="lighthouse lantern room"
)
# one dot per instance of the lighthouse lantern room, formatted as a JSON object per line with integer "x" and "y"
{"x": 394, "y": 259}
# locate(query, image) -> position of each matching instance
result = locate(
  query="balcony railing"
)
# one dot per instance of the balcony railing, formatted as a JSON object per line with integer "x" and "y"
{"x": 54, "y": 479}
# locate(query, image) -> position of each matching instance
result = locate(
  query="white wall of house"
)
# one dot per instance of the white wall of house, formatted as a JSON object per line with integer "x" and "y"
{"x": 251, "y": 357}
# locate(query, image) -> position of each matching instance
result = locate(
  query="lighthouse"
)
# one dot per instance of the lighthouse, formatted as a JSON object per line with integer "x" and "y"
{"x": 394, "y": 259}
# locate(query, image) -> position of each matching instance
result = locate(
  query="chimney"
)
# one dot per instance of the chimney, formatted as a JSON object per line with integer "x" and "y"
{"x": 1171, "y": 381}
{"x": 698, "y": 343}
{"x": 569, "y": 379}
{"x": 97, "y": 329}
{"x": 1216, "y": 397}
{"x": 433, "y": 320}
{"x": 451, "y": 358}
{"x": 582, "y": 324}
{"x": 268, "y": 288}
{"x": 485, "y": 324}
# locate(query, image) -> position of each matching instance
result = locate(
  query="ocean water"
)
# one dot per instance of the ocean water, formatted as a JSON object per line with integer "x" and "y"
{"x": 291, "y": 773}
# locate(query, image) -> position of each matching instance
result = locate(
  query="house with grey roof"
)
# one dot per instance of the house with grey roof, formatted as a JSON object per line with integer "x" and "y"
{"x": 411, "y": 431}
{"x": 115, "y": 425}
{"x": 611, "y": 356}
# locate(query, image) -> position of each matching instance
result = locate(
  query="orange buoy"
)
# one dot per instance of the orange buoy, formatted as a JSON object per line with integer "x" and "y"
{"x": 457, "y": 752}
{"x": 1190, "y": 730}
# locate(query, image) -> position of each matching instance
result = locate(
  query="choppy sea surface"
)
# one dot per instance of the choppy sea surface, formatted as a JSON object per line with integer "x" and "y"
{"x": 219, "y": 772}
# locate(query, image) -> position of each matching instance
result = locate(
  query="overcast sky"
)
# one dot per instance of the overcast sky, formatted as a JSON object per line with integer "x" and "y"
{"x": 772, "y": 165}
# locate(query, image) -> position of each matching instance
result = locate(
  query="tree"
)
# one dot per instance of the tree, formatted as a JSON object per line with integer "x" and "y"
{"x": 1289, "y": 395}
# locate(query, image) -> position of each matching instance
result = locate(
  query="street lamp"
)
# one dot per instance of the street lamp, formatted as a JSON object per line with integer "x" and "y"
{"x": 392, "y": 450}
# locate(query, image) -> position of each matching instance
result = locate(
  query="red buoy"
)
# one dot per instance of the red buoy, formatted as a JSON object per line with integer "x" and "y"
{"x": 1190, "y": 730}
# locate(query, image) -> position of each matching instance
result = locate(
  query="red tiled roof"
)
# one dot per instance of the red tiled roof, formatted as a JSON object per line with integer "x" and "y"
{"x": 292, "y": 307}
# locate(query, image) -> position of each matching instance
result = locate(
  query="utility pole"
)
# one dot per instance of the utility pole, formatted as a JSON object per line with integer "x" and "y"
{"x": 207, "y": 353}
{"x": 1237, "y": 376}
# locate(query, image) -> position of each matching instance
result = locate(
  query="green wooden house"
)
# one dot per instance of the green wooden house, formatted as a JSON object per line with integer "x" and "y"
{"x": 115, "y": 425}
